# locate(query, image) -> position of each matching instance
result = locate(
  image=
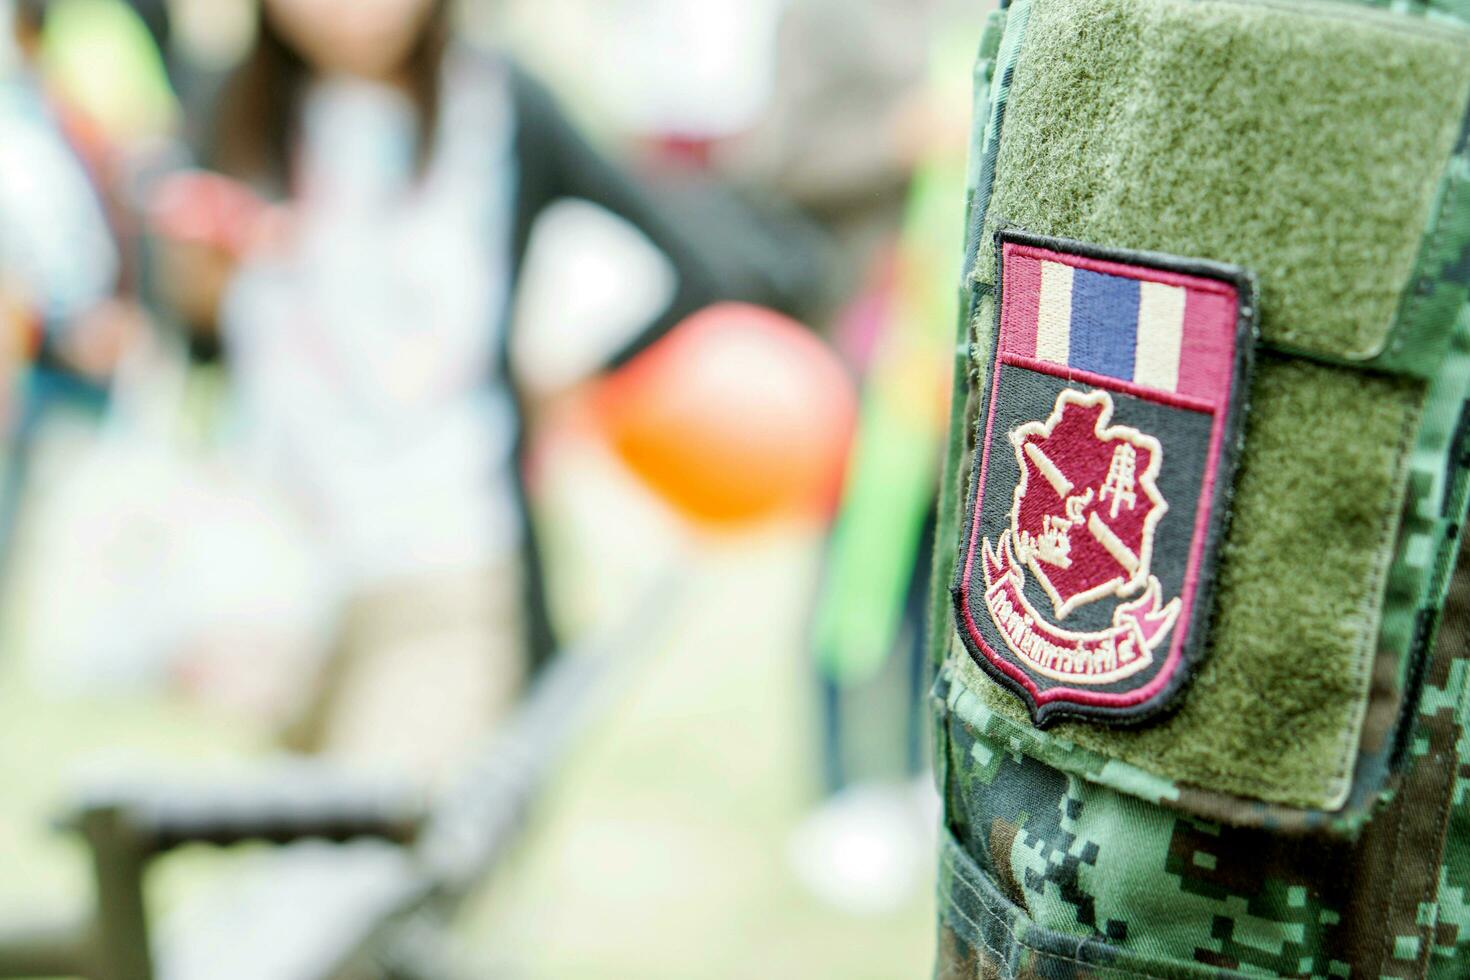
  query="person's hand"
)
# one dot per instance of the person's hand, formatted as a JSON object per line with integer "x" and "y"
{"x": 204, "y": 223}
{"x": 96, "y": 342}
{"x": 191, "y": 277}
{"x": 19, "y": 338}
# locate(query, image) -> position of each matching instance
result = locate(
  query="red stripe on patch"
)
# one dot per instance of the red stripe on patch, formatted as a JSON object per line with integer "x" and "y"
{"x": 1206, "y": 355}
{"x": 1021, "y": 299}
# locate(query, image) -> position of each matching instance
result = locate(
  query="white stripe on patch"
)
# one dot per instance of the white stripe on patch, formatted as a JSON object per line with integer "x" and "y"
{"x": 1160, "y": 333}
{"x": 1054, "y": 313}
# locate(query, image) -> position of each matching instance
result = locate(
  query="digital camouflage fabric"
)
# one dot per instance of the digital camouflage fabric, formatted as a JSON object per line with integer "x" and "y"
{"x": 1300, "y": 806}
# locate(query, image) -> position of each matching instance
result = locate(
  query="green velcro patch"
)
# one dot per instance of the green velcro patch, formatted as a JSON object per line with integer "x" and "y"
{"x": 1321, "y": 146}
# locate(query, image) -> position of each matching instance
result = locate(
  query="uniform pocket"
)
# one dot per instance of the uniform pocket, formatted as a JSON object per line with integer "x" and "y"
{"x": 1058, "y": 854}
{"x": 984, "y": 934}
{"x": 1044, "y": 874}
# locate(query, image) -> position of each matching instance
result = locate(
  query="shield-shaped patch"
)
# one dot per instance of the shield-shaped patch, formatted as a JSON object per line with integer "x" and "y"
{"x": 1109, "y": 426}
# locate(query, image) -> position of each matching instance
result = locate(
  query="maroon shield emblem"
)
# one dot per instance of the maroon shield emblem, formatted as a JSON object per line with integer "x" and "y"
{"x": 1110, "y": 420}
{"x": 1087, "y": 502}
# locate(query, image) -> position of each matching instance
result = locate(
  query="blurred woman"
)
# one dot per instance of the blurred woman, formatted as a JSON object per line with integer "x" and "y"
{"x": 368, "y": 332}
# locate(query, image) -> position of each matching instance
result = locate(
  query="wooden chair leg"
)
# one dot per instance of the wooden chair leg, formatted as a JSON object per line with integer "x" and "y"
{"x": 119, "y": 858}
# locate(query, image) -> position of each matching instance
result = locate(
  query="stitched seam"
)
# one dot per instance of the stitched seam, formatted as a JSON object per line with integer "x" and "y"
{"x": 1001, "y": 956}
{"x": 1372, "y": 606}
{"x": 1059, "y": 762}
{"x": 1364, "y": 15}
{"x": 1431, "y": 887}
{"x": 1021, "y": 941}
{"x": 1427, "y": 247}
{"x": 1449, "y": 797}
{"x": 1393, "y": 893}
{"x": 1447, "y": 800}
{"x": 949, "y": 860}
{"x": 950, "y": 908}
{"x": 997, "y": 102}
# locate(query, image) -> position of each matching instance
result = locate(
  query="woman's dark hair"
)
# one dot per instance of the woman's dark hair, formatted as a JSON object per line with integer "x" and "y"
{"x": 260, "y": 102}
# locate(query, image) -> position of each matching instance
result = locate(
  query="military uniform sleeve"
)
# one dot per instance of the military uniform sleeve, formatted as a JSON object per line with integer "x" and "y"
{"x": 1199, "y": 704}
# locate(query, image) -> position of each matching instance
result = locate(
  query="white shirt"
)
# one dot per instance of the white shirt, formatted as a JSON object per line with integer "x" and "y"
{"x": 367, "y": 348}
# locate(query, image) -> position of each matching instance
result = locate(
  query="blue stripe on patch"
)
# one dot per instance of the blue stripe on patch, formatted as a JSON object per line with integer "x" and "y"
{"x": 1104, "y": 324}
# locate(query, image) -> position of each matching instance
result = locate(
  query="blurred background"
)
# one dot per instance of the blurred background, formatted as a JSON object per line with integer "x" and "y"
{"x": 467, "y": 483}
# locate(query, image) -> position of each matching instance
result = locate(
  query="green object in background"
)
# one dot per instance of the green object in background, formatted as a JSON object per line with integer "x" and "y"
{"x": 895, "y": 457}
{"x": 100, "y": 57}
{"x": 898, "y": 447}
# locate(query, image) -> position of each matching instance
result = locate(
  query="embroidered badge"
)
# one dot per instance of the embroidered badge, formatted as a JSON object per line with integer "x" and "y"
{"x": 1109, "y": 428}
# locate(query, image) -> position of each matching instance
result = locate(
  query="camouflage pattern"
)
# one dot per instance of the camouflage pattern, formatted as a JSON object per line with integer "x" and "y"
{"x": 1451, "y": 922}
{"x": 1056, "y": 874}
{"x": 1059, "y": 862}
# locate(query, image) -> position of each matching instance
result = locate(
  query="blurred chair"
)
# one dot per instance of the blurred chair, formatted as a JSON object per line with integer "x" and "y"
{"x": 367, "y": 874}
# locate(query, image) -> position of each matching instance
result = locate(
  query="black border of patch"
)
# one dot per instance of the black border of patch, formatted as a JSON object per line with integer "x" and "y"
{"x": 1192, "y": 648}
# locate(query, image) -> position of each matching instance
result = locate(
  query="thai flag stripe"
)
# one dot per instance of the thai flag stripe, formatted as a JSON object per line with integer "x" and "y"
{"x": 1160, "y": 335}
{"x": 1207, "y": 354}
{"x": 1118, "y": 326}
{"x": 1054, "y": 313}
{"x": 1104, "y": 323}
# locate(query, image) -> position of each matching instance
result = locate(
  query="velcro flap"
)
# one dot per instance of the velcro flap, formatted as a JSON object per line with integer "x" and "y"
{"x": 1319, "y": 149}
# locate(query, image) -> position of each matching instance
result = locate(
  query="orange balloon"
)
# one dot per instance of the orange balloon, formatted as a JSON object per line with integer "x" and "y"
{"x": 738, "y": 414}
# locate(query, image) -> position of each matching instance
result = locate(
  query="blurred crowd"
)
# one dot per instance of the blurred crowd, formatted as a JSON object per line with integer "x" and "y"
{"x": 290, "y": 290}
